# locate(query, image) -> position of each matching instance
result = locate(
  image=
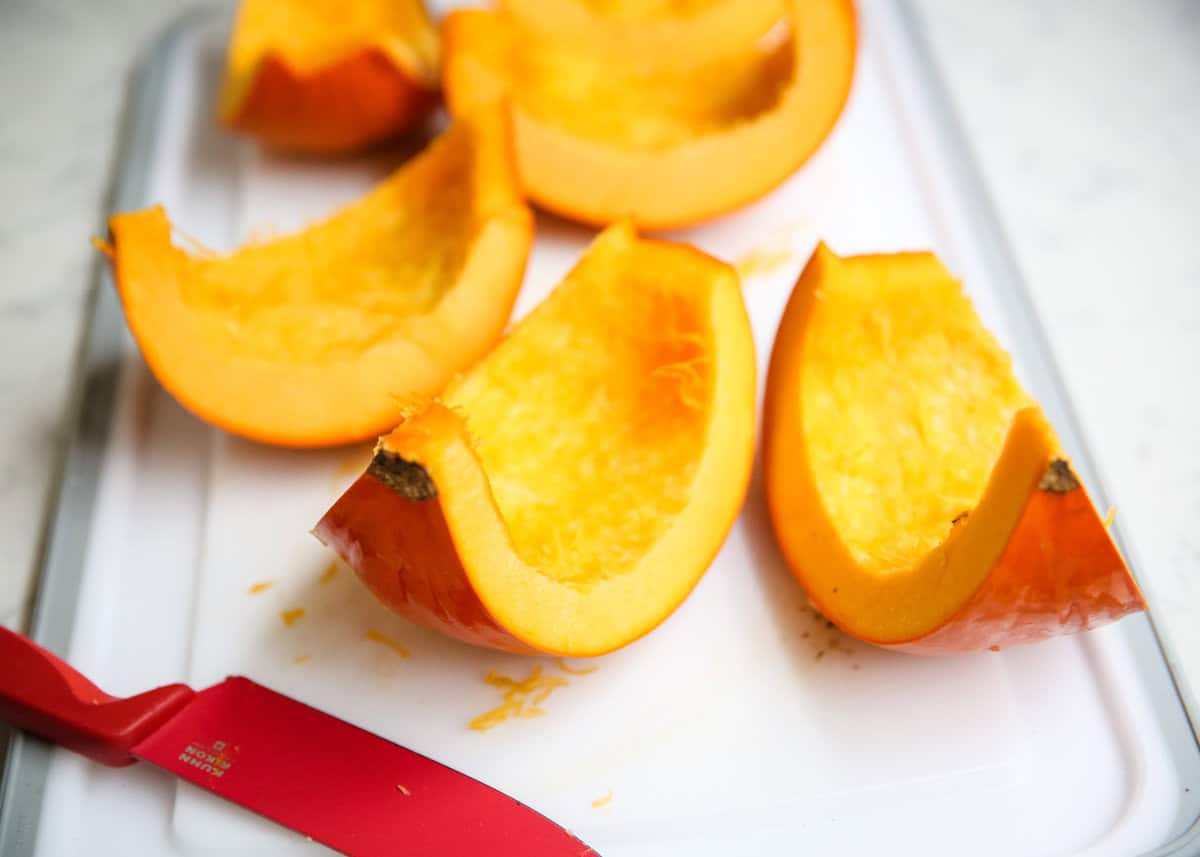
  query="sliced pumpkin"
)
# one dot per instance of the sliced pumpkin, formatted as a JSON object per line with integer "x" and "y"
{"x": 669, "y": 31}
{"x": 917, "y": 491}
{"x": 567, "y": 493}
{"x": 323, "y": 77}
{"x": 317, "y": 338}
{"x": 603, "y": 134}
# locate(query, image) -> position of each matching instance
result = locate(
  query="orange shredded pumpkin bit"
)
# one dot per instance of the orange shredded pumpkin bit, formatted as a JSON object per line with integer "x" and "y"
{"x": 570, "y": 670}
{"x": 291, "y": 617}
{"x": 603, "y": 800}
{"x": 762, "y": 260}
{"x": 376, "y": 636}
{"x": 522, "y": 698}
{"x": 329, "y": 573}
{"x": 261, "y": 586}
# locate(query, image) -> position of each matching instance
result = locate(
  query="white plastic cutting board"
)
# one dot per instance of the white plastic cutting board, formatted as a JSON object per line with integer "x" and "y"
{"x": 745, "y": 725}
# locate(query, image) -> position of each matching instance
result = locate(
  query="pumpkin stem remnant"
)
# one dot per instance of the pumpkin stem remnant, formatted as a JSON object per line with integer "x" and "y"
{"x": 407, "y": 478}
{"x": 1058, "y": 478}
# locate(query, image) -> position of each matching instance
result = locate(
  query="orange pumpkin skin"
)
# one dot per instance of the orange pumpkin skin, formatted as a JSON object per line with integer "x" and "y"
{"x": 353, "y": 103}
{"x": 1039, "y": 590}
{"x": 403, "y": 552}
{"x": 1031, "y": 560}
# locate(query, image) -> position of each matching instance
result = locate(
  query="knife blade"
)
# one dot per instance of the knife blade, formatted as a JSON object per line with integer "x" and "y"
{"x": 345, "y": 787}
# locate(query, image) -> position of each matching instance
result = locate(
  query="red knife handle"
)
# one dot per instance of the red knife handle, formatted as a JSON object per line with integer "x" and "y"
{"x": 42, "y": 694}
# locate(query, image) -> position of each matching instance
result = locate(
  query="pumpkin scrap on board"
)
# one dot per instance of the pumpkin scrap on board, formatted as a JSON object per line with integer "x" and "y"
{"x": 320, "y": 337}
{"x": 568, "y": 506}
{"x": 917, "y": 491}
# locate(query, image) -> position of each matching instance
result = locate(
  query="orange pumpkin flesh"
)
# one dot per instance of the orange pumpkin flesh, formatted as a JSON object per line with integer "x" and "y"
{"x": 916, "y": 490}
{"x": 317, "y": 338}
{"x": 603, "y": 135}
{"x": 326, "y": 77}
{"x": 668, "y": 30}
{"x": 567, "y": 493}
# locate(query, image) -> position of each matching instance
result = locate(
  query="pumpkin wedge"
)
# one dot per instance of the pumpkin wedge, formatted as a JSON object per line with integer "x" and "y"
{"x": 315, "y": 339}
{"x": 917, "y": 491}
{"x": 670, "y": 31}
{"x": 325, "y": 77}
{"x": 567, "y": 493}
{"x": 604, "y": 134}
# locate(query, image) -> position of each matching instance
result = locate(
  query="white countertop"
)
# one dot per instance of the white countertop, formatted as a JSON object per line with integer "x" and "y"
{"x": 1085, "y": 117}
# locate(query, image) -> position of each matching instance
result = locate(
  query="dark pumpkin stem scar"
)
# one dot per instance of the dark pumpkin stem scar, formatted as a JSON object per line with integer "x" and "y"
{"x": 1058, "y": 478}
{"x": 407, "y": 478}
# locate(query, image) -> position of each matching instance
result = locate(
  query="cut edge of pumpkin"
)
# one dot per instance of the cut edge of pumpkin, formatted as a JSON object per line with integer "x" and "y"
{"x": 428, "y": 467}
{"x": 953, "y": 599}
{"x": 695, "y": 181}
{"x": 379, "y": 101}
{"x": 330, "y": 102}
{"x": 469, "y": 315}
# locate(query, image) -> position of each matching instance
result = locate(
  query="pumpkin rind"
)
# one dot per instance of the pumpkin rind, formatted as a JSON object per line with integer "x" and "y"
{"x": 329, "y": 78}
{"x": 318, "y": 338}
{"x": 1043, "y": 585}
{"x": 1026, "y": 559}
{"x": 603, "y": 136}
{"x": 575, "y": 502}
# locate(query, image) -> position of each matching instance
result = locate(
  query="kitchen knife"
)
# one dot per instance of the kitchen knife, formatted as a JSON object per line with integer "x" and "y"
{"x": 343, "y": 786}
